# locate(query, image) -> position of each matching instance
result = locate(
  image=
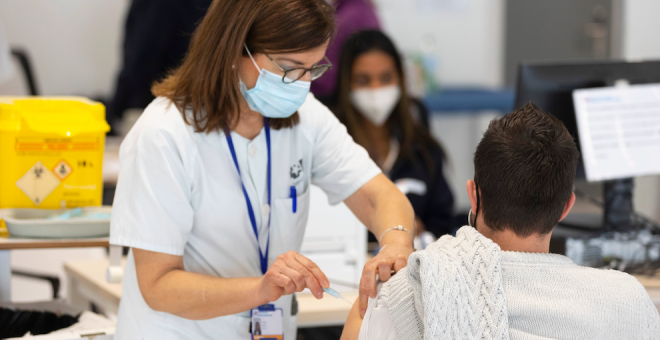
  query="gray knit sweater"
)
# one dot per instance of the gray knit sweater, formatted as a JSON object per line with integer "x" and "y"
{"x": 485, "y": 293}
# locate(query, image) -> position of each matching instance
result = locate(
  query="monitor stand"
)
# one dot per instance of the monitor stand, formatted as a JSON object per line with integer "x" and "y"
{"x": 615, "y": 215}
{"x": 618, "y": 204}
{"x": 617, "y": 208}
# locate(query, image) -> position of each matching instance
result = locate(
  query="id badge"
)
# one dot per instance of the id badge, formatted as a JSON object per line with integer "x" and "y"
{"x": 267, "y": 323}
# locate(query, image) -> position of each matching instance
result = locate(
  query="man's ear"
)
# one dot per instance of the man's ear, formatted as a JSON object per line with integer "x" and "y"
{"x": 472, "y": 194}
{"x": 568, "y": 206}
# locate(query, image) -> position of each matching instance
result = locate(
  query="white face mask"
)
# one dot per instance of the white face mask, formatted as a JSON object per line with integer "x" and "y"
{"x": 376, "y": 104}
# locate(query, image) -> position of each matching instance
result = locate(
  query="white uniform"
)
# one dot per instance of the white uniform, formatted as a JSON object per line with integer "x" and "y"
{"x": 179, "y": 193}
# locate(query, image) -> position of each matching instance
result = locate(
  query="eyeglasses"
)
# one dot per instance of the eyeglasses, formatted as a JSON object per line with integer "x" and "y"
{"x": 294, "y": 74}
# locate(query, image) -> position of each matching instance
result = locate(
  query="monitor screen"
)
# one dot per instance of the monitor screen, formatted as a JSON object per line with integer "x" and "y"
{"x": 619, "y": 129}
{"x": 550, "y": 85}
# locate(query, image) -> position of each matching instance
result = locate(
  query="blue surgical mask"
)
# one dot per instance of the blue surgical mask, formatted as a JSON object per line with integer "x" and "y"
{"x": 272, "y": 97}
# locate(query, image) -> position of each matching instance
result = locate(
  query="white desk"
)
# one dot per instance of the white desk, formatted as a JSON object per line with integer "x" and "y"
{"x": 7, "y": 244}
{"x": 87, "y": 284}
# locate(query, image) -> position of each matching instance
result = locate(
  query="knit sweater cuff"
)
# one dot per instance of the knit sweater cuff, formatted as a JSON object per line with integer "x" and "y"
{"x": 400, "y": 299}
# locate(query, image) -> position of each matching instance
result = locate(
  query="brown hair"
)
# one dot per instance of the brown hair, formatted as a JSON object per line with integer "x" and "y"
{"x": 205, "y": 87}
{"x": 414, "y": 137}
{"x": 525, "y": 168}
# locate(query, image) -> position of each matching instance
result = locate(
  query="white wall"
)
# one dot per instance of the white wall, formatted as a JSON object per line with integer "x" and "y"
{"x": 468, "y": 36}
{"x": 641, "y": 29}
{"x": 641, "y": 40}
{"x": 74, "y": 44}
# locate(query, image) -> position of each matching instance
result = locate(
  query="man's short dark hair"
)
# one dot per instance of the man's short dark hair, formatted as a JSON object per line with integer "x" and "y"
{"x": 525, "y": 167}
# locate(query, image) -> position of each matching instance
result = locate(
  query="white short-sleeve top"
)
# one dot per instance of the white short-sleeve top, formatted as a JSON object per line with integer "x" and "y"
{"x": 179, "y": 193}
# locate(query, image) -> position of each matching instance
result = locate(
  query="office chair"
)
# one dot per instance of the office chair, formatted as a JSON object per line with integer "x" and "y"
{"x": 26, "y": 65}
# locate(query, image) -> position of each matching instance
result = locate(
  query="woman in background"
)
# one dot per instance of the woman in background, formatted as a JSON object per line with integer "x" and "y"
{"x": 350, "y": 16}
{"x": 374, "y": 105}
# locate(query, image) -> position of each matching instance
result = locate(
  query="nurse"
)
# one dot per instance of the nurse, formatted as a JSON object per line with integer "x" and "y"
{"x": 213, "y": 191}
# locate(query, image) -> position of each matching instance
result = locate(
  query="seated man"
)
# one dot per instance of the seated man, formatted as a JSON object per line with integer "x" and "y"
{"x": 498, "y": 279}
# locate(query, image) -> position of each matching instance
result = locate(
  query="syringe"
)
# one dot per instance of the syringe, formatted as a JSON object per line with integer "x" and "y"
{"x": 336, "y": 294}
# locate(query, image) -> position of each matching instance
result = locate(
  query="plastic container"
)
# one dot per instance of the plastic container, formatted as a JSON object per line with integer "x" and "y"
{"x": 51, "y": 152}
{"x": 44, "y": 223}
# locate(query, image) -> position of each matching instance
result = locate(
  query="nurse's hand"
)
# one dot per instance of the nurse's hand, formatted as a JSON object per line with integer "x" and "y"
{"x": 292, "y": 273}
{"x": 391, "y": 258}
{"x": 380, "y": 205}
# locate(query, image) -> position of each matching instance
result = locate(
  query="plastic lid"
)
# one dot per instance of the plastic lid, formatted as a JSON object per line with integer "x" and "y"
{"x": 66, "y": 116}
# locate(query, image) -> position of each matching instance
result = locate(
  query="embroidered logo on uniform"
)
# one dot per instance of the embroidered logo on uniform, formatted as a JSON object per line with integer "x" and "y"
{"x": 296, "y": 170}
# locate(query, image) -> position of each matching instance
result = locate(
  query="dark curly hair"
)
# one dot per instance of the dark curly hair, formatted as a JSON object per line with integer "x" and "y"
{"x": 525, "y": 168}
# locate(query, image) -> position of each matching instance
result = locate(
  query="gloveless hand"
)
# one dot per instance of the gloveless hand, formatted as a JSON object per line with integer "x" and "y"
{"x": 291, "y": 273}
{"x": 391, "y": 257}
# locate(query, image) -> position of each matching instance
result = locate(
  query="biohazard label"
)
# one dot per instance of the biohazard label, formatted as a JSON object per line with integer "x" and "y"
{"x": 62, "y": 170}
{"x": 38, "y": 183}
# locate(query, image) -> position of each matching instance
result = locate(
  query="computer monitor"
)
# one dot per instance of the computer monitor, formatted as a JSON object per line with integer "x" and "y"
{"x": 550, "y": 85}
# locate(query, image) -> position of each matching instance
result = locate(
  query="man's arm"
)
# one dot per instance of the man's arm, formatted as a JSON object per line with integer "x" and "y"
{"x": 377, "y": 323}
{"x": 353, "y": 323}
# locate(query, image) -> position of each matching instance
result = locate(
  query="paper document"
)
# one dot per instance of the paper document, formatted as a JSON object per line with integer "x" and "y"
{"x": 619, "y": 129}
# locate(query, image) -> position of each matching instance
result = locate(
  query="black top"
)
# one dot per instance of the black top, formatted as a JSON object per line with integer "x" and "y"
{"x": 436, "y": 207}
{"x": 156, "y": 38}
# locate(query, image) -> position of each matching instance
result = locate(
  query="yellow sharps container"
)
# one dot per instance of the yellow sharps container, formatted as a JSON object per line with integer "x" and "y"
{"x": 51, "y": 152}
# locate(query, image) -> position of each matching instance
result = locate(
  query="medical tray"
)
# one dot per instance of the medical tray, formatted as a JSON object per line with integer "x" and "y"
{"x": 41, "y": 223}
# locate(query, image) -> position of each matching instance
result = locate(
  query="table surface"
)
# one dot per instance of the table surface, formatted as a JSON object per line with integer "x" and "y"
{"x": 93, "y": 272}
{"x": 311, "y": 312}
{"x": 649, "y": 282}
{"x": 10, "y": 243}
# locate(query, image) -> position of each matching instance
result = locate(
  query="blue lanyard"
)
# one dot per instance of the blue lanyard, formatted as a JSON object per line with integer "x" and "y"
{"x": 263, "y": 257}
